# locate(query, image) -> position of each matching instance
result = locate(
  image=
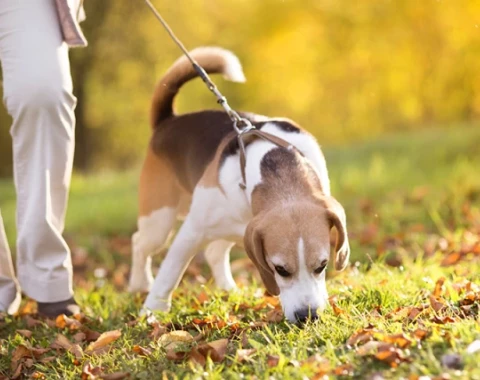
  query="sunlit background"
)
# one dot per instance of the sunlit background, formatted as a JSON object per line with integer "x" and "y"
{"x": 344, "y": 70}
{"x": 391, "y": 89}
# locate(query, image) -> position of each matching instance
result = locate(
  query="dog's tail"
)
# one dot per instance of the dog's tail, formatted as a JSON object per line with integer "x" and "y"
{"x": 213, "y": 60}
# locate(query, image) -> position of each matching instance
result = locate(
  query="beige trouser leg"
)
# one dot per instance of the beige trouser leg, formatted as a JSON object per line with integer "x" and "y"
{"x": 38, "y": 96}
{"x": 9, "y": 288}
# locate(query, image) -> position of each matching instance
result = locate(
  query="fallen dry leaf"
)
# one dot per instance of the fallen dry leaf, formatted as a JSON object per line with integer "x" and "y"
{"x": 420, "y": 334}
{"x": 175, "y": 338}
{"x": 90, "y": 335}
{"x": 391, "y": 355}
{"x": 272, "y": 360}
{"x": 32, "y": 322}
{"x": 399, "y": 340}
{"x": 18, "y": 371}
{"x": 79, "y": 337}
{"x": 19, "y": 353}
{"x": 216, "y": 350}
{"x": 61, "y": 341}
{"x": 158, "y": 330}
{"x": 142, "y": 351}
{"x": 344, "y": 370}
{"x": 90, "y": 373}
{"x": 451, "y": 259}
{"x": 361, "y": 336}
{"x": 439, "y": 288}
{"x": 103, "y": 341}
{"x": 336, "y": 309}
{"x": 274, "y": 316}
{"x": 243, "y": 355}
{"x": 26, "y": 333}
{"x": 62, "y": 321}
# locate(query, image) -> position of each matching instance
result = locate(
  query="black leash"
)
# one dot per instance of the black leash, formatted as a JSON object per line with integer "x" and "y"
{"x": 242, "y": 126}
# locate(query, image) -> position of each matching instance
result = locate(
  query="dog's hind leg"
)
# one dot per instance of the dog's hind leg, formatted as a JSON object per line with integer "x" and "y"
{"x": 158, "y": 203}
{"x": 218, "y": 258}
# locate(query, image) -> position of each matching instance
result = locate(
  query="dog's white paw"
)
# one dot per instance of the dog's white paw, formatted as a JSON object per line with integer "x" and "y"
{"x": 227, "y": 285}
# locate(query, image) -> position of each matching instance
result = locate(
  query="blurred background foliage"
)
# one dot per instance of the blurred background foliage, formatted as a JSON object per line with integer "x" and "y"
{"x": 346, "y": 71}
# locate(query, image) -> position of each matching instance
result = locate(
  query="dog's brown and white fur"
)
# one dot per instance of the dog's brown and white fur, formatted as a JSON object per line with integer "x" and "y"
{"x": 283, "y": 217}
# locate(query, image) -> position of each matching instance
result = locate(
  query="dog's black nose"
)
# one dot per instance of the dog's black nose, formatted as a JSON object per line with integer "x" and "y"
{"x": 304, "y": 315}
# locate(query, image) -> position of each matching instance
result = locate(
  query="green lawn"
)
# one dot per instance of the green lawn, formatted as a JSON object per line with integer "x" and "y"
{"x": 408, "y": 303}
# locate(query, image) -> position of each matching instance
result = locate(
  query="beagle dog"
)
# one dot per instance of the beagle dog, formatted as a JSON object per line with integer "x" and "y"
{"x": 282, "y": 216}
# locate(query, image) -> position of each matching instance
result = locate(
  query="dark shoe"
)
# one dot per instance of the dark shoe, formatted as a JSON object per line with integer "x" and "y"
{"x": 54, "y": 309}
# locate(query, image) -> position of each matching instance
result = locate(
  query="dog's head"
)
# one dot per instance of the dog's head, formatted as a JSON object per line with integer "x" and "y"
{"x": 290, "y": 246}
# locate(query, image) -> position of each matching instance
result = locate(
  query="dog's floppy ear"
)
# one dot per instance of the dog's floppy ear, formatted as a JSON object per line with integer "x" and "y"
{"x": 337, "y": 218}
{"x": 253, "y": 241}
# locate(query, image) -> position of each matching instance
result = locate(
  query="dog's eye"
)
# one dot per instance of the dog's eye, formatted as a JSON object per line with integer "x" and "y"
{"x": 282, "y": 271}
{"x": 321, "y": 268}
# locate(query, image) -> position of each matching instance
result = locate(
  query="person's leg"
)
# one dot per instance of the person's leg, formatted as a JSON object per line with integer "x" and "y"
{"x": 38, "y": 96}
{"x": 9, "y": 288}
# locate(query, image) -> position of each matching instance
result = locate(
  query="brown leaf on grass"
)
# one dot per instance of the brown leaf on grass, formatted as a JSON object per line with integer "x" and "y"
{"x": 436, "y": 305}
{"x": 202, "y": 298}
{"x": 451, "y": 259}
{"x": 443, "y": 320}
{"x": 30, "y": 307}
{"x": 158, "y": 330}
{"x": 17, "y": 372}
{"x": 32, "y": 322}
{"x": 470, "y": 298}
{"x": 26, "y": 333}
{"x": 216, "y": 350}
{"x": 61, "y": 342}
{"x": 344, "y": 370}
{"x": 371, "y": 347}
{"x": 103, "y": 341}
{"x": 62, "y": 321}
{"x": 243, "y": 355}
{"x": 274, "y": 316}
{"x": 420, "y": 334}
{"x": 90, "y": 373}
{"x": 361, "y": 336}
{"x": 79, "y": 337}
{"x": 28, "y": 363}
{"x": 392, "y": 356}
{"x": 272, "y": 360}
{"x": 19, "y": 353}
{"x": 90, "y": 335}
{"x": 376, "y": 311}
{"x": 333, "y": 303}
{"x": 48, "y": 359}
{"x": 38, "y": 375}
{"x": 399, "y": 340}
{"x": 439, "y": 288}
{"x": 214, "y": 322}
{"x": 174, "y": 338}
{"x": 141, "y": 351}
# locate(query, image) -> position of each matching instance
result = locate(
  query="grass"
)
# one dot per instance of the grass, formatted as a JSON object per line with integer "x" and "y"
{"x": 412, "y": 204}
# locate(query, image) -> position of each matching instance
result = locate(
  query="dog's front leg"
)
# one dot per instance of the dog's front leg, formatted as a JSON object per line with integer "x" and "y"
{"x": 184, "y": 247}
